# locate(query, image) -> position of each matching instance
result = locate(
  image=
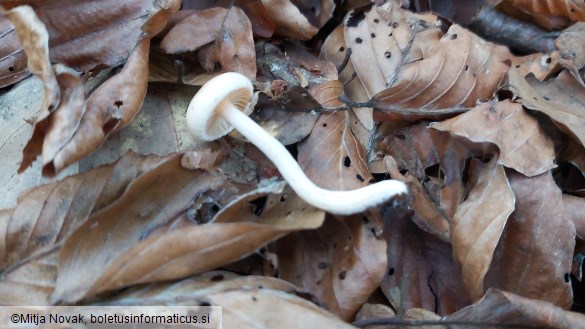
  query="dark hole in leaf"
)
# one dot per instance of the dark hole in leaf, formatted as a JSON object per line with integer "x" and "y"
{"x": 400, "y": 136}
{"x": 322, "y": 265}
{"x": 293, "y": 150}
{"x": 453, "y": 36}
{"x": 324, "y": 125}
{"x": 342, "y": 275}
{"x": 548, "y": 60}
{"x": 11, "y": 69}
{"x": 259, "y": 205}
{"x": 204, "y": 303}
{"x": 358, "y": 40}
{"x": 394, "y": 25}
{"x": 313, "y": 9}
{"x": 347, "y": 162}
{"x": 466, "y": 68}
{"x": 391, "y": 271}
{"x": 567, "y": 278}
{"x": 365, "y": 220}
{"x": 341, "y": 49}
{"x": 254, "y": 298}
{"x": 110, "y": 125}
{"x": 546, "y": 98}
{"x": 376, "y": 21}
{"x": 390, "y": 34}
{"x": 373, "y": 35}
{"x": 387, "y": 54}
{"x": 118, "y": 103}
{"x": 283, "y": 197}
{"x": 215, "y": 208}
{"x": 288, "y": 213}
{"x": 217, "y": 278}
{"x": 360, "y": 178}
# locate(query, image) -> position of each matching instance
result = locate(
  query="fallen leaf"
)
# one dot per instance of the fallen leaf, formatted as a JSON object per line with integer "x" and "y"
{"x": 478, "y": 225}
{"x": 533, "y": 257}
{"x": 289, "y": 20}
{"x": 552, "y": 15}
{"x": 331, "y": 156}
{"x": 572, "y": 207}
{"x": 229, "y": 32}
{"x": 421, "y": 270}
{"x": 341, "y": 263}
{"x": 522, "y": 143}
{"x": 514, "y": 310}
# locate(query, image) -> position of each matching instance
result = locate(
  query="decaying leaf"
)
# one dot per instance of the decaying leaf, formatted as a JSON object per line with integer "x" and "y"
{"x": 417, "y": 67}
{"x": 550, "y": 14}
{"x": 514, "y": 310}
{"x": 228, "y": 32}
{"x": 146, "y": 247}
{"x": 533, "y": 257}
{"x": 79, "y": 38}
{"x": 421, "y": 271}
{"x": 523, "y": 144}
{"x": 289, "y": 20}
{"x": 478, "y": 225}
{"x": 341, "y": 263}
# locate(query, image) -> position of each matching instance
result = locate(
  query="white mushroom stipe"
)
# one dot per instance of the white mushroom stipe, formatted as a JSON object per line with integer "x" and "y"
{"x": 219, "y": 104}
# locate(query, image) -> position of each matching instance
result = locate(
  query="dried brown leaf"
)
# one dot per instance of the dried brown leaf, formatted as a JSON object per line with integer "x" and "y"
{"x": 229, "y": 32}
{"x": 550, "y": 14}
{"x": 341, "y": 263}
{"x": 533, "y": 257}
{"x": 421, "y": 270}
{"x": 501, "y": 307}
{"x": 110, "y": 108}
{"x": 478, "y": 225}
{"x": 573, "y": 207}
{"x": 147, "y": 247}
{"x": 289, "y": 20}
{"x": 331, "y": 156}
{"x": 561, "y": 99}
{"x": 79, "y": 38}
{"x": 523, "y": 145}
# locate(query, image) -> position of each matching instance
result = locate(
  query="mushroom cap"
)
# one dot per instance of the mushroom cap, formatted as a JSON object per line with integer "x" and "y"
{"x": 228, "y": 88}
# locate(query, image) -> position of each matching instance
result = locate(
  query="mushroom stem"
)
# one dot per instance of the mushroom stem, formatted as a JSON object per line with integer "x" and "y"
{"x": 335, "y": 202}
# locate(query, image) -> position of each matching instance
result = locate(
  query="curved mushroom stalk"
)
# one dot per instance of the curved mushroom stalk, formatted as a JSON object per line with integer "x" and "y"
{"x": 222, "y": 99}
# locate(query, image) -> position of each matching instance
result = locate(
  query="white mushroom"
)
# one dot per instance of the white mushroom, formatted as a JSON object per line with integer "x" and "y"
{"x": 217, "y": 108}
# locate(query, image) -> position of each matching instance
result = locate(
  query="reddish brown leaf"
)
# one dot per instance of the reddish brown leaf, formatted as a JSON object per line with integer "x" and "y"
{"x": 146, "y": 246}
{"x": 229, "y": 32}
{"x": 500, "y": 307}
{"x": 341, "y": 263}
{"x": 421, "y": 270}
{"x": 110, "y": 108}
{"x": 550, "y": 14}
{"x": 523, "y": 145}
{"x": 478, "y": 225}
{"x": 533, "y": 257}
{"x": 81, "y": 39}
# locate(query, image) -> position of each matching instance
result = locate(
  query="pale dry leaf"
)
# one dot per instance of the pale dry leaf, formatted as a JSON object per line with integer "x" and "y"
{"x": 334, "y": 50}
{"x": 478, "y": 224}
{"x": 523, "y": 144}
{"x": 341, "y": 263}
{"x": 331, "y": 156}
{"x": 33, "y": 36}
{"x": 533, "y": 257}
{"x": 289, "y": 20}
{"x": 264, "y": 308}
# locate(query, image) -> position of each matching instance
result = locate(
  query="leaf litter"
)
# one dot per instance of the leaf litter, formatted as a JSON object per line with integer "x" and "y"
{"x": 491, "y": 146}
